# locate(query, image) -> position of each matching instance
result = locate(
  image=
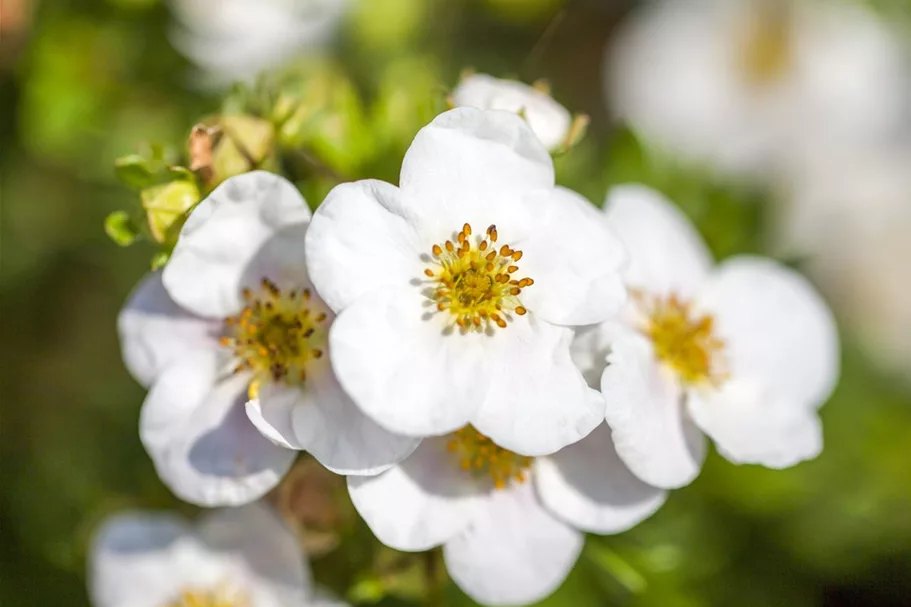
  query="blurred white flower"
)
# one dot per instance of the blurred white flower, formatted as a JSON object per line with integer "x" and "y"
{"x": 242, "y": 557}
{"x": 549, "y": 120}
{"x": 493, "y": 511}
{"x": 234, "y": 40}
{"x": 739, "y": 83}
{"x": 849, "y": 220}
{"x": 455, "y": 291}
{"x": 233, "y": 319}
{"x": 744, "y": 352}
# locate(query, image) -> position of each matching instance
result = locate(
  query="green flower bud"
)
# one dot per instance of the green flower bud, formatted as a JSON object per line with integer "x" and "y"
{"x": 236, "y": 144}
{"x": 319, "y": 113}
{"x": 166, "y": 207}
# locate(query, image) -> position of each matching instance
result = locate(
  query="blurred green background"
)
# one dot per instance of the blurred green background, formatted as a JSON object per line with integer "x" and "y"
{"x": 87, "y": 81}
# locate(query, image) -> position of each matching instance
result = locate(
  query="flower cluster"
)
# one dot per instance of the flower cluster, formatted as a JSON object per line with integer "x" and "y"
{"x": 495, "y": 364}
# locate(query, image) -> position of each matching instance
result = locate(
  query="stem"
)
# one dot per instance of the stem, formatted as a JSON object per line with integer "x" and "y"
{"x": 436, "y": 581}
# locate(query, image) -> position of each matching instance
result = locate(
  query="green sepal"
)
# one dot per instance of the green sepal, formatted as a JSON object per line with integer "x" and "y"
{"x": 121, "y": 228}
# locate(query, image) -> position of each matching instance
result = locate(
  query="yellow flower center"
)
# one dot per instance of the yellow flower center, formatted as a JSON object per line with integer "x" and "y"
{"x": 276, "y": 334}
{"x": 683, "y": 340}
{"x": 481, "y": 456}
{"x": 220, "y": 597}
{"x": 767, "y": 49}
{"x": 474, "y": 281}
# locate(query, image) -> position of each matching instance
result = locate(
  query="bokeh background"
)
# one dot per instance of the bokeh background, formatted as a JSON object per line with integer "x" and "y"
{"x": 83, "y": 82}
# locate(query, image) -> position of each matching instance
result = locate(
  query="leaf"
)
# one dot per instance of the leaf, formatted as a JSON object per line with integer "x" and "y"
{"x": 121, "y": 228}
{"x": 134, "y": 171}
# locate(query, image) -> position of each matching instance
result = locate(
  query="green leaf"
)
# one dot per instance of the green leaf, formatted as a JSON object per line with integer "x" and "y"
{"x": 134, "y": 171}
{"x": 121, "y": 228}
{"x": 160, "y": 259}
{"x": 616, "y": 566}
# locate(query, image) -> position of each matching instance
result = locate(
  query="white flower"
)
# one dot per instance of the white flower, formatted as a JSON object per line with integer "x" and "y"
{"x": 455, "y": 290}
{"x": 740, "y": 83}
{"x": 242, "y": 557}
{"x": 505, "y": 521}
{"x": 237, "y": 39}
{"x": 246, "y": 326}
{"x": 859, "y": 197}
{"x": 548, "y": 119}
{"x": 744, "y": 352}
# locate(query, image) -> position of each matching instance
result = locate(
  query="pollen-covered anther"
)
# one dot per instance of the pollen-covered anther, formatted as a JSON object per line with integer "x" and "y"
{"x": 684, "y": 340}
{"x": 221, "y": 596}
{"x": 477, "y": 454}
{"x": 276, "y": 334}
{"x": 473, "y": 280}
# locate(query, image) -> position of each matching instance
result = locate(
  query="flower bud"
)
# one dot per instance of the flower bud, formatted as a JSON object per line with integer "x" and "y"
{"x": 166, "y": 207}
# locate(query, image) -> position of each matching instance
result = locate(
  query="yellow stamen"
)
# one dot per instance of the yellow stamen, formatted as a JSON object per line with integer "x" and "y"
{"x": 482, "y": 457}
{"x": 220, "y": 597}
{"x": 276, "y": 335}
{"x": 472, "y": 281}
{"x": 684, "y": 341}
{"x": 766, "y": 51}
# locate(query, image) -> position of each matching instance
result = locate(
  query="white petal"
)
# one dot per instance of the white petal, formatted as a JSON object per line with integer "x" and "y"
{"x": 851, "y": 76}
{"x": 324, "y": 421}
{"x": 590, "y": 347}
{"x": 749, "y": 428}
{"x": 474, "y": 166}
{"x": 419, "y": 504}
{"x": 235, "y": 40}
{"x": 778, "y": 331}
{"x": 652, "y": 433}
{"x": 132, "y": 560}
{"x": 514, "y": 552}
{"x": 666, "y": 253}
{"x": 589, "y": 487}
{"x": 155, "y": 331}
{"x": 575, "y": 260}
{"x": 361, "y": 239}
{"x": 262, "y": 553}
{"x": 538, "y": 400}
{"x": 673, "y": 74}
{"x": 216, "y": 253}
{"x": 275, "y": 420}
{"x": 399, "y": 364}
{"x": 548, "y": 119}
{"x": 203, "y": 445}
